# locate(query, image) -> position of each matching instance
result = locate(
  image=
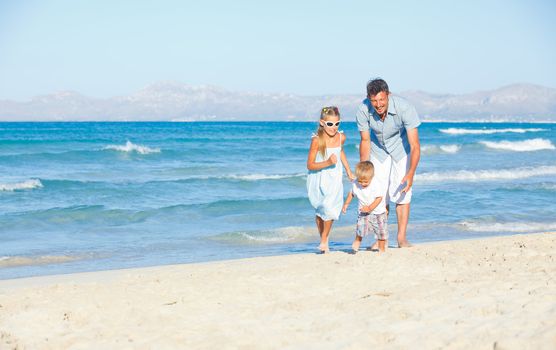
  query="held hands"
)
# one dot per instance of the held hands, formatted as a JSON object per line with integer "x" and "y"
{"x": 344, "y": 208}
{"x": 332, "y": 159}
{"x": 351, "y": 176}
{"x": 408, "y": 180}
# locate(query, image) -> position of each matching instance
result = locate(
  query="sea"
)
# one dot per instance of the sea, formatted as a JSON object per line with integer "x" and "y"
{"x": 89, "y": 196}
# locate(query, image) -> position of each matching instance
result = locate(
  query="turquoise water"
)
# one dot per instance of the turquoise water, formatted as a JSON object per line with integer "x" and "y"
{"x": 94, "y": 196}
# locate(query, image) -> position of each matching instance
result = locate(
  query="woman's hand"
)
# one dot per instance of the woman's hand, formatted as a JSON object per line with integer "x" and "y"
{"x": 344, "y": 208}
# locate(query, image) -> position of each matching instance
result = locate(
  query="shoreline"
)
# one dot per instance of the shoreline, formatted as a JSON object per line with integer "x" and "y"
{"x": 496, "y": 292}
{"x": 341, "y": 241}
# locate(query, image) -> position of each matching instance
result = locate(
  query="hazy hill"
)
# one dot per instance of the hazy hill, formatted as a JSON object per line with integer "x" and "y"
{"x": 167, "y": 101}
{"x": 517, "y": 102}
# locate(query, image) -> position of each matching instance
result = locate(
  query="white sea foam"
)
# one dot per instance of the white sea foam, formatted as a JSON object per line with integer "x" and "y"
{"x": 486, "y": 175}
{"x": 508, "y": 226}
{"x": 280, "y": 235}
{"x": 535, "y": 186}
{"x": 433, "y": 149}
{"x": 547, "y": 186}
{"x": 257, "y": 177}
{"x": 131, "y": 147}
{"x": 520, "y": 146}
{"x": 13, "y": 261}
{"x": 450, "y": 148}
{"x": 24, "y": 185}
{"x": 458, "y": 131}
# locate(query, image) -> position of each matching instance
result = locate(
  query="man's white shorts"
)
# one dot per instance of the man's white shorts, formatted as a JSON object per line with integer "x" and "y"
{"x": 391, "y": 173}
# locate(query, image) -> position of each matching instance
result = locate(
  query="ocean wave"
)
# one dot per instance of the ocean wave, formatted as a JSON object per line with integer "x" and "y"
{"x": 257, "y": 177}
{"x": 234, "y": 177}
{"x": 520, "y": 146}
{"x": 122, "y": 182}
{"x": 96, "y": 215}
{"x": 131, "y": 147}
{"x": 100, "y": 215}
{"x": 541, "y": 186}
{"x": 231, "y": 206}
{"x": 15, "y": 261}
{"x": 458, "y": 131}
{"x": 486, "y": 175}
{"x": 24, "y": 185}
{"x": 433, "y": 149}
{"x": 508, "y": 226}
{"x": 279, "y": 235}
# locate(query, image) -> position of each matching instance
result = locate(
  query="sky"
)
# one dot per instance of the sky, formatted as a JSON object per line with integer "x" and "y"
{"x": 103, "y": 48}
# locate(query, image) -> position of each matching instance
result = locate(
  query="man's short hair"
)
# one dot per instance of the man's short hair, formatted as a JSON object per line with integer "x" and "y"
{"x": 375, "y": 86}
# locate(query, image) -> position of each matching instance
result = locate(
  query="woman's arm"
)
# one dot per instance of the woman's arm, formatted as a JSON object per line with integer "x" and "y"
{"x": 346, "y": 203}
{"x": 311, "y": 164}
{"x": 345, "y": 161}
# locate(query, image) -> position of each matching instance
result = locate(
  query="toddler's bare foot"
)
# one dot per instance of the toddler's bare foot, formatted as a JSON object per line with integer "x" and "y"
{"x": 404, "y": 244}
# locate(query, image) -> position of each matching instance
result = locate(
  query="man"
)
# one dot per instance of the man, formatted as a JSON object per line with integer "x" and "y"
{"x": 389, "y": 139}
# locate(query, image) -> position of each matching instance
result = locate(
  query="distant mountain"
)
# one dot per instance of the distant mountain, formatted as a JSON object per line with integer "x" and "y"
{"x": 517, "y": 102}
{"x": 171, "y": 101}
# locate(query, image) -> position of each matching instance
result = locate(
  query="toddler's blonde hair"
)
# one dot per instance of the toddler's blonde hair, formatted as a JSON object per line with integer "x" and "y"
{"x": 365, "y": 170}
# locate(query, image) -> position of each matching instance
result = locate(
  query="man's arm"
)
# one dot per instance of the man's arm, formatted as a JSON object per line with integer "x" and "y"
{"x": 414, "y": 156}
{"x": 365, "y": 146}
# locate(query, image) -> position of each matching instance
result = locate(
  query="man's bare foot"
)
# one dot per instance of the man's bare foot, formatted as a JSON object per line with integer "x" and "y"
{"x": 355, "y": 246}
{"x": 404, "y": 244}
{"x": 381, "y": 246}
{"x": 323, "y": 248}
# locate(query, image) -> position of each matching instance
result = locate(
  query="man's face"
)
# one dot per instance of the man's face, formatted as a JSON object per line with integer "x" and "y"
{"x": 380, "y": 102}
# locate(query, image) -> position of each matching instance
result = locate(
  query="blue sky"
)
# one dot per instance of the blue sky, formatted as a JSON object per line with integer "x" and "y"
{"x": 108, "y": 48}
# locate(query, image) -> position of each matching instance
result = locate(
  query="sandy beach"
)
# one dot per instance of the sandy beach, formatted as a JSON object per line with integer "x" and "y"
{"x": 493, "y": 293}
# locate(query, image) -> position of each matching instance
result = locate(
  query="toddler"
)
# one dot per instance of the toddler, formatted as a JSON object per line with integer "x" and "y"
{"x": 371, "y": 216}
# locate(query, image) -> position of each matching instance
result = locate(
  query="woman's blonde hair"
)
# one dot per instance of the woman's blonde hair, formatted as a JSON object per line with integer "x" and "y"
{"x": 364, "y": 170}
{"x": 325, "y": 112}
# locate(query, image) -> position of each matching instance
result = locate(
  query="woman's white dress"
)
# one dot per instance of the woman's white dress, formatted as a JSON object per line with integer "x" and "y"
{"x": 325, "y": 187}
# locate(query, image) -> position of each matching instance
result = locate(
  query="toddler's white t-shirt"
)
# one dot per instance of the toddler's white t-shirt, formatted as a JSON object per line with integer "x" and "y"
{"x": 367, "y": 195}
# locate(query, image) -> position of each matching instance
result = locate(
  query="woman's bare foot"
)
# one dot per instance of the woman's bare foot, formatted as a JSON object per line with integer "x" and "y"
{"x": 356, "y": 243}
{"x": 323, "y": 248}
{"x": 373, "y": 246}
{"x": 404, "y": 244}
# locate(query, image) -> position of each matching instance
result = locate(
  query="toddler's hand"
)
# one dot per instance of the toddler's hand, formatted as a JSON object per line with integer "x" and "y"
{"x": 333, "y": 160}
{"x": 351, "y": 177}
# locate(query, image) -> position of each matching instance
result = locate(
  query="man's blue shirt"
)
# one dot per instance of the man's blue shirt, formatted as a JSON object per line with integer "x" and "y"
{"x": 388, "y": 137}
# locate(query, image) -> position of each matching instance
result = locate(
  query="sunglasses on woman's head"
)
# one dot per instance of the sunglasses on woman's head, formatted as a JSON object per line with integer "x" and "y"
{"x": 331, "y": 124}
{"x": 333, "y": 109}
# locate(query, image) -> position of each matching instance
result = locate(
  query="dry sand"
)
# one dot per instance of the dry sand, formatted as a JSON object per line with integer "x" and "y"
{"x": 495, "y": 293}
